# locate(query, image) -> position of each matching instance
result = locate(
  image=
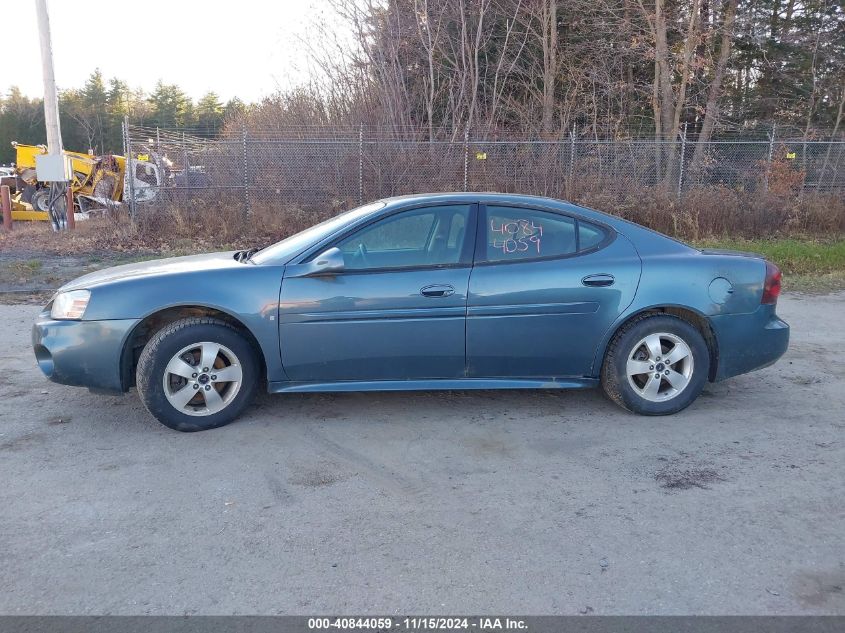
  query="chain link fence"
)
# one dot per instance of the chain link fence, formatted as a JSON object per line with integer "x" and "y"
{"x": 240, "y": 169}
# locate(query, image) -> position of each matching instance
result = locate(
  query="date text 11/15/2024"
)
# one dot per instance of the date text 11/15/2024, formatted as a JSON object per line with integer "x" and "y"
{"x": 418, "y": 623}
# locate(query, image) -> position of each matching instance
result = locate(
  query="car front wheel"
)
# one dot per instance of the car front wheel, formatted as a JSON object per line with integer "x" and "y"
{"x": 656, "y": 365}
{"x": 196, "y": 374}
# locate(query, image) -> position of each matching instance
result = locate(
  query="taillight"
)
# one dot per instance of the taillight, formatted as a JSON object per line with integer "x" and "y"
{"x": 771, "y": 287}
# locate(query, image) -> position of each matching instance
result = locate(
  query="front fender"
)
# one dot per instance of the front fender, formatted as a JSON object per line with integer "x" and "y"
{"x": 249, "y": 294}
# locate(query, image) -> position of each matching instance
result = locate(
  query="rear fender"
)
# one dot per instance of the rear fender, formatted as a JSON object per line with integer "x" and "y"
{"x": 705, "y": 285}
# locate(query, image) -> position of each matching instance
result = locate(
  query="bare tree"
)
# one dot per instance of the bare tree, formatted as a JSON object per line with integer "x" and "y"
{"x": 429, "y": 27}
{"x": 434, "y": 68}
{"x": 714, "y": 91}
{"x": 549, "y": 27}
{"x": 669, "y": 101}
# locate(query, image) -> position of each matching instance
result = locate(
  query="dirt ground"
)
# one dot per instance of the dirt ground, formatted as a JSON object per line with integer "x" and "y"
{"x": 28, "y": 273}
{"x": 462, "y": 502}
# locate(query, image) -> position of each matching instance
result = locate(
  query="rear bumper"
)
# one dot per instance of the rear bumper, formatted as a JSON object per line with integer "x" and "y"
{"x": 749, "y": 341}
{"x": 81, "y": 353}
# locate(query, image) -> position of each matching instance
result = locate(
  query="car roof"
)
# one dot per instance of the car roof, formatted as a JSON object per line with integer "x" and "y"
{"x": 471, "y": 196}
{"x": 492, "y": 196}
{"x": 647, "y": 241}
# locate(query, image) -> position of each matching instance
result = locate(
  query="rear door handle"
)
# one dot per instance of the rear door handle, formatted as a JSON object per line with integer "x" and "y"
{"x": 601, "y": 279}
{"x": 437, "y": 290}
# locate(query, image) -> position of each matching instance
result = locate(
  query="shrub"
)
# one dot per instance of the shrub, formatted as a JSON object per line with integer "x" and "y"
{"x": 192, "y": 223}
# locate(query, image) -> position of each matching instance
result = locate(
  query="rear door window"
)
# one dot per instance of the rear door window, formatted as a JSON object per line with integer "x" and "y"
{"x": 515, "y": 233}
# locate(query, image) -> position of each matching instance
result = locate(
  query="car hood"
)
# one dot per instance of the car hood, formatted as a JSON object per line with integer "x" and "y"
{"x": 156, "y": 267}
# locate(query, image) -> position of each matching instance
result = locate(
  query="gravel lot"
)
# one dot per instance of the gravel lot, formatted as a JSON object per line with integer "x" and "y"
{"x": 480, "y": 502}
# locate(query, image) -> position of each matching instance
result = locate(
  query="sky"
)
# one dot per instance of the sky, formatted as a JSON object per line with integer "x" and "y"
{"x": 237, "y": 48}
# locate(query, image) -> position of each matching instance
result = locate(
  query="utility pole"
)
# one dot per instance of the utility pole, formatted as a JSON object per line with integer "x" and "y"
{"x": 51, "y": 97}
{"x": 52, "y": 169}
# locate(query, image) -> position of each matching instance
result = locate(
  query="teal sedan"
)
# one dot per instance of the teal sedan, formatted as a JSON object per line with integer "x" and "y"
{"x": 437, "y": 291}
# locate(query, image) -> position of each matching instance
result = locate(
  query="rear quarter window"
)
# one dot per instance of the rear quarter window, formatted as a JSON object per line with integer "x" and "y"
{"x": 589, "y": 235}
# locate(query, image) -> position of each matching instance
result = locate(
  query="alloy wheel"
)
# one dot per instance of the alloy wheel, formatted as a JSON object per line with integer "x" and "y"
{"x": 660, "y": 367}
{"x": 202, "y": 378}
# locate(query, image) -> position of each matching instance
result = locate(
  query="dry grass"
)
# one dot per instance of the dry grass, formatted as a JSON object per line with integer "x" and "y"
{"x": 720, "y": 212}
{"x": 804, "y": 235}
{"x": 712, "y": 213}
{"x": 172, "y": 230}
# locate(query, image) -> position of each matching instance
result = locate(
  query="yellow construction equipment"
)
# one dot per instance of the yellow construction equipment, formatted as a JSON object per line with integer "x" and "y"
{"x": 97, "y": 182}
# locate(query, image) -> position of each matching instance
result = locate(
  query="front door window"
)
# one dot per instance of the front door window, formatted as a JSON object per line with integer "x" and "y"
{"x": 429, "y": 237}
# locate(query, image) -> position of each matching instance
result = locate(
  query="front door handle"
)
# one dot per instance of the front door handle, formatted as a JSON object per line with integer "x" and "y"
{"x": 437, "y": 290}
{"x": 600, "y": 280}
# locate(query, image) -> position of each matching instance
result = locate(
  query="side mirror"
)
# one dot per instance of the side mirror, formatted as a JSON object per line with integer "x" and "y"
{"x": 330, "y": 261}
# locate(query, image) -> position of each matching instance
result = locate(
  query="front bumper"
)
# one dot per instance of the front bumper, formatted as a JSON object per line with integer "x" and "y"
{"x": 749, "y": 341}
{"x": 81, "y": 353}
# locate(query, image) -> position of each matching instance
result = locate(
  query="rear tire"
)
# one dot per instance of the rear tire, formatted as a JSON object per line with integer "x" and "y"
{"x": 197, "y": 374}
{"x": 656, "y": 365}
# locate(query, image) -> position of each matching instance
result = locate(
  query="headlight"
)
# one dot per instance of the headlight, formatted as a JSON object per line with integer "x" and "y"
{"x": 70, "y": 305}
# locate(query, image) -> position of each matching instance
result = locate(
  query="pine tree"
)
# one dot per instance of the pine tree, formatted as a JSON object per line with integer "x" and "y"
{"x": 170, "y": 106}
{"x": 209, "y": 114}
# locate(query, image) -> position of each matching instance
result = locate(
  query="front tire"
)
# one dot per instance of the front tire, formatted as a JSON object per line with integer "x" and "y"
{"x": 656, "y": 365}
{"x": 197, "y": 374}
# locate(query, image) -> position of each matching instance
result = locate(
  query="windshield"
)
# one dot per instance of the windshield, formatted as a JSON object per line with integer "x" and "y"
{"x": 282, "y": 252}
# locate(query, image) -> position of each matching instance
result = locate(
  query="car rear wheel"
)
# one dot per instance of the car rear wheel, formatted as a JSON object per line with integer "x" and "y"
{"x": 656, "y": 365}
{"x": 197, "y": 374}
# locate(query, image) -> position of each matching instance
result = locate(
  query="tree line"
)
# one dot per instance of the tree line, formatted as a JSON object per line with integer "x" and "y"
{"x": 92, "y": 116}
{"x": 433, "y": 69}
{"x": 596, "y": 68}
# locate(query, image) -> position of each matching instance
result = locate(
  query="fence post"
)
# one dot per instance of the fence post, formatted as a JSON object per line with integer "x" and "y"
{"x": 361, "y": 164}
{"x": 571, "y": 159}
{"x": 130, "y": 169}
{"x": 769, "y": 163}
{"x": 70, "y": 217}
{"x": 466, "y": 157}
{"x": 804, "y": 164}
{"x": 681, "y": 162}
{"x": 6, "y": 203}
{"x": 187, "y": 164}
{"x": 823, "y": 170}
{"x": 247, "y": 208}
